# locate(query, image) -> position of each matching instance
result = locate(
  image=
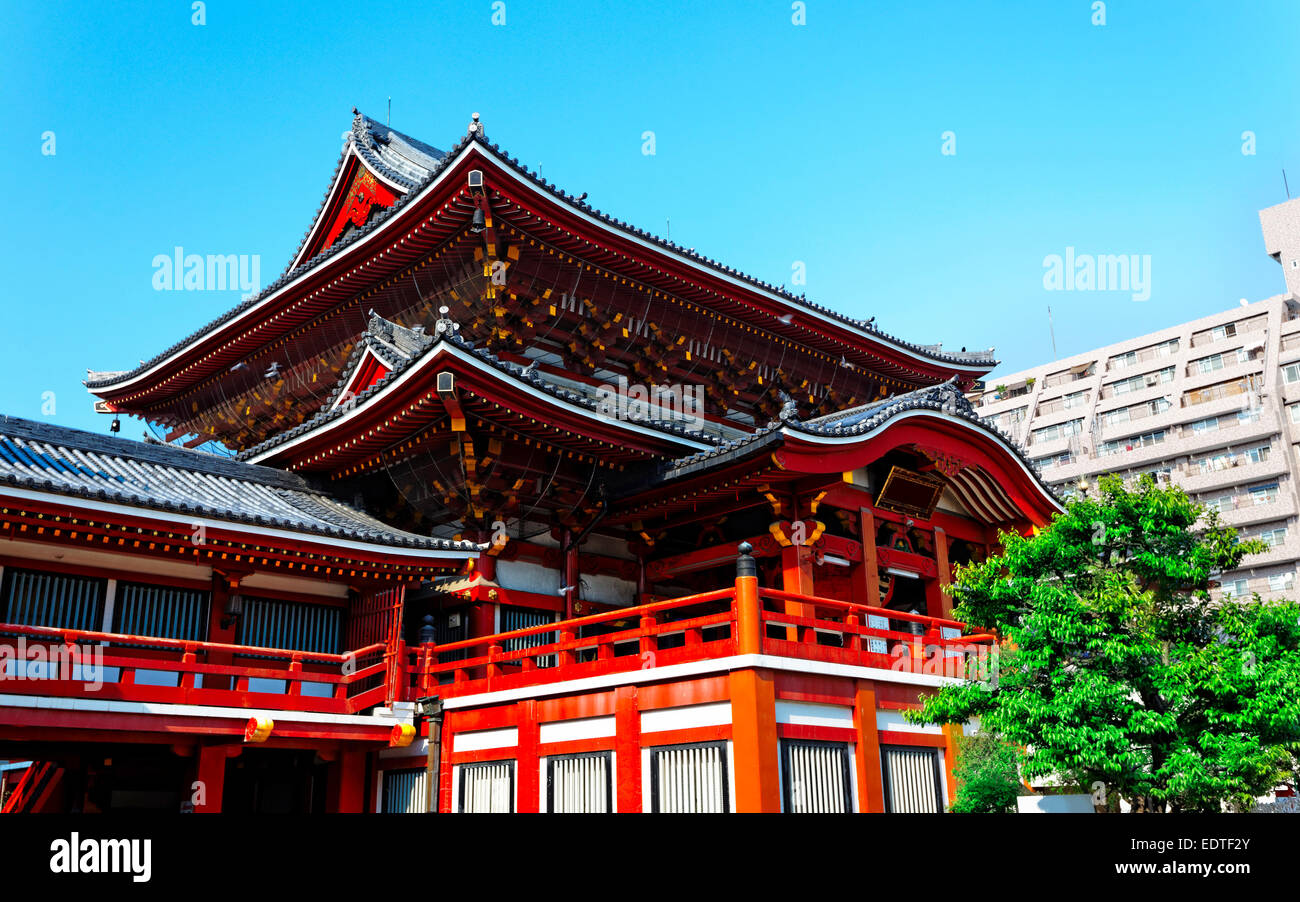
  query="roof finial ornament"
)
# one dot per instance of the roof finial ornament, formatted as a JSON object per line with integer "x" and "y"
{"x": 476, "y": 127}
{"x": 445, "y": 324}
{"x": 360, "y": 130}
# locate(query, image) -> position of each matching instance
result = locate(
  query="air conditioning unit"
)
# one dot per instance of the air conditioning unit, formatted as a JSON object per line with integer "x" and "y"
{"x": 1152, "y": 379}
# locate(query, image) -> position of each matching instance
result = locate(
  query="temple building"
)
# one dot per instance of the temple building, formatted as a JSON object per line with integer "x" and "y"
{"x": 528, "y": 510}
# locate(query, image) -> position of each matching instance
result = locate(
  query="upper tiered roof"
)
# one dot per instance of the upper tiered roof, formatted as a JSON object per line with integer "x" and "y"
{"x": 428, "y": 206}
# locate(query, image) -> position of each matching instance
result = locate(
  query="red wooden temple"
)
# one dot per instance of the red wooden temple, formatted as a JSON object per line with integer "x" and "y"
{"x": 530, "y": 510}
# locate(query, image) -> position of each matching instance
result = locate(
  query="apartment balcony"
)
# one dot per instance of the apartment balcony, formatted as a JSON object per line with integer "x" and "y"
{"x": 1246, "y": 510}
{"x": 1243, "y": 433}
{"x": 1192, "y": 480}
{"x": 1195, "y": 378}
{"x": 1245, "y": 328}
{"x": 1137, "y": 396}
{"x": 1287, "y": 551}
{"x": 1053, "y": 446}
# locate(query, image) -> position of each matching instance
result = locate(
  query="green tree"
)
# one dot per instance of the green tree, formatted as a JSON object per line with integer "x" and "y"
{"x": 1117, "y": 671}
{"x": 988, "y": 776}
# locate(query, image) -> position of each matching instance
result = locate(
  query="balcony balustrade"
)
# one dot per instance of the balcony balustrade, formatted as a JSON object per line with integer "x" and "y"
{"x": 741, "y": 619}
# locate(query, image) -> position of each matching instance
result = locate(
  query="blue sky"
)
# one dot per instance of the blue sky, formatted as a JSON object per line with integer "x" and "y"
{"x": 775, "y": 143}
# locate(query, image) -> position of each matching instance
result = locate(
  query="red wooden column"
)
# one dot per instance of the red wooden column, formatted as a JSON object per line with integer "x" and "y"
{"x": 797, "y": 577}
{"x": 869, "y": 569}
{"x": 753, "y": 703}
{"x": 226, "y": 635}
{"x": 945, "y": 572}
{"x": 871, "y": 788}
{"x": 345, "y": 792}
{"x": 527, "y": 766}
{"x": 753, "y": 733}
{"x": 210, "y": 773}
{"x": 627, "y": 749}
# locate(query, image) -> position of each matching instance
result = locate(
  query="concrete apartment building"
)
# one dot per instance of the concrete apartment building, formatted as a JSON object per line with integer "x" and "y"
{"x": 1212, "y": 405}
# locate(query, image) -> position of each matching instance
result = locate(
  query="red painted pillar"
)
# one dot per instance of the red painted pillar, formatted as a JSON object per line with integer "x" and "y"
{"x": 871, "y": 789}
{"x": 345, "y": 793}
{"x": 527, "y": 766}
{"x": 483, "y": 619}
{"x": 869, "y": 569}
{"x": 945, "y": 572}
{"x": 221, "y": 593}
{"x": 627, "y": 750}
{"x": 210, "y": 774}
{"x": 797, "y": 577}
{"x": 754, "y": 741}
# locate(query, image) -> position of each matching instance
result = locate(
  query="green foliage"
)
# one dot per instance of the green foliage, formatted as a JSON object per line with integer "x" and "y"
{"x": 988, "y": 777}
{"x": 1117, "y": 668}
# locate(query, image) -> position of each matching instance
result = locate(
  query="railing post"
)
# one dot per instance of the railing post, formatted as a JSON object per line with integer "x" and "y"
{"x": 295, "y": 668}
{"x": 852, "y": 638}
{"x": 189, "y": 656}
{"x": 649, "y": 644}
{"x": 749, "y": 610}
{"x": 493, "y": 668}
{"x": 565, "y": 658}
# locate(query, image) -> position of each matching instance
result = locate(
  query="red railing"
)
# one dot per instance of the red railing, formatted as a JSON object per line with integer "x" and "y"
{"x": 675, "y": 631}
{"x": 694, "y": 628}
{"x": 740, "y": 619}
{"x": 117, "y": 667}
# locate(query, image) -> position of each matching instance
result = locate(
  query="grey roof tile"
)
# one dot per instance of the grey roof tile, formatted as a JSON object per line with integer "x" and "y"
{"x": 44, "y": 457}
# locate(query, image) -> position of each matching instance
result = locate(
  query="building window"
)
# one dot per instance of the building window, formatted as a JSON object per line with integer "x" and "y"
{"x": 513, "y": 618}
{"x": 290, "y": 625}
{"x": 912, "y": 779}
{"x": 1281, "y": 582}
{"x": 32, "y": 598}
{"x": 1221, "y": 332}
{"x": 579, "y": 784}
{"x": 815, "y": 777}
{"x": 1222, "y": 504}
{"x": 405, "y": 791}
{"x": 1146, "y": 380}
{"x": 1053, "y": 460}
{"x": 161, "y": 611}
{"x": 487, "y": 788}
{"x": 1291, "y": 373}
{"x": 1059, "y": 430}
{"x": 1131, "y": 444}
{"x": 1273, "y": 537}
{"x": 1264, "y": 494}
{"x": 1294, "y": 410}
{"x": 1237, "y": 588}
{"x": 689, "y": 779}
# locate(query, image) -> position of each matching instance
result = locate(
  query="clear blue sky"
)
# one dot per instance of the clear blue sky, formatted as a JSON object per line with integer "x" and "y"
{"x": 775, "y": 143}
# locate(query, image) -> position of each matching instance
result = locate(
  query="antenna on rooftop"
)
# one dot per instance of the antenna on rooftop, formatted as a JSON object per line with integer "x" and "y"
{"x": 668, "y": 230}
{"x": 390, "y": 112}
{"x": 1285, "y": 185}
{"x": 1052, "y": 330}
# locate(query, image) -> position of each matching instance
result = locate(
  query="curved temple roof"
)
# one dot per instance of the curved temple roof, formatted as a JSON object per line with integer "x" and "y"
{"x": 414, "y": 167}
{"x": 944, "y": 400}
{"x": 46, "y": 458}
